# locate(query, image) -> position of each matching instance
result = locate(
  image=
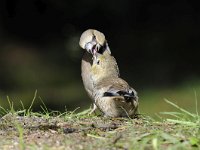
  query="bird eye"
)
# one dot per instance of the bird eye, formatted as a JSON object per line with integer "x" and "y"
{"x": 98, "y": 62}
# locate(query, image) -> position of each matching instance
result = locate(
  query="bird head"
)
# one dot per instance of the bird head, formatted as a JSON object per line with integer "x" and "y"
{"x": 93, "y": 41}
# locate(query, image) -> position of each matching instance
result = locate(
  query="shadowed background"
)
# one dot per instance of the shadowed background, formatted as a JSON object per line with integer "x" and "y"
{"x": 156, "y": 45}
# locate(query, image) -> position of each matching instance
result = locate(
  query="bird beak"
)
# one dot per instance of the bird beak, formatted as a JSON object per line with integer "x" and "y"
{"x": 92, "y": 47}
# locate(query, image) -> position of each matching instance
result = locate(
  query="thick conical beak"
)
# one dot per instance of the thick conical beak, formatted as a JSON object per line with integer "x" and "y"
{"x": 92, "y": 47}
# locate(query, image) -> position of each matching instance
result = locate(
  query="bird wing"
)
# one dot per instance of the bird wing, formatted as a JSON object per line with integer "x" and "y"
{"x": 117, "y": 87}
{"x": 128, "y": 95}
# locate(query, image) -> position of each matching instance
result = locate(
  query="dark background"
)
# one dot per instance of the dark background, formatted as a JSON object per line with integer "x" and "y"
{"x": 156, "y": 45}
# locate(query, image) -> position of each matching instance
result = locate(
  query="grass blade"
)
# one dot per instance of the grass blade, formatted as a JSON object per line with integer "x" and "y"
{"x": 188, "y": 123}
{"x": 29, "y": 109}
{"x": 181, "y": 109}
{"x": 195, "y": 94}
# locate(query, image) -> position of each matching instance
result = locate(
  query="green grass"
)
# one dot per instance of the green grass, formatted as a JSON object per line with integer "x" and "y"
{"x": 152, "y": 101}
{"x": 25, "y": 129}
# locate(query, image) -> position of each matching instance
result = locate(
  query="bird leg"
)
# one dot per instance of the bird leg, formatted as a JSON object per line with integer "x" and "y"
{"x": 93, "y": 109}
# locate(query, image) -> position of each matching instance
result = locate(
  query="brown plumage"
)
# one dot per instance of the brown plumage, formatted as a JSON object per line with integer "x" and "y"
{"x": 112, "y": 95}
{"x": 92, "y": 41}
